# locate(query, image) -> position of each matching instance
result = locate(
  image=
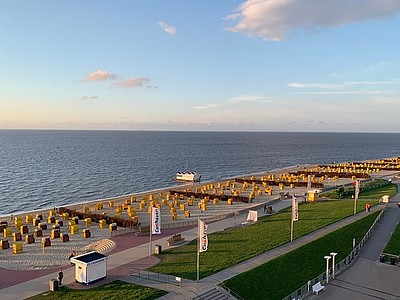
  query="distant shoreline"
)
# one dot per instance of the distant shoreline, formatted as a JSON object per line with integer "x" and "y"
{"x": 42, "y": 169}
{"x": 116, "y": 198}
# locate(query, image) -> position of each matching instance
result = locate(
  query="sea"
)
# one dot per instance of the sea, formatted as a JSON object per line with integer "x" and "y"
{"x": 41, "y": 169}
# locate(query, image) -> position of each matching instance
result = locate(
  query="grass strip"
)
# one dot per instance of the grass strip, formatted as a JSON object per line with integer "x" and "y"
{"x": 283, "y": 275}
{"x": 377, "y": 193}
{"x": 393, "y": 247}
{"x": 234, "y": 245}
{"x": 374, "y": 189}
{"x": 115, "y": 290}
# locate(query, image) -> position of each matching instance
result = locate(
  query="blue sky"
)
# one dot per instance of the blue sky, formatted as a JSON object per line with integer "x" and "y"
{"x": 287, "y": 65}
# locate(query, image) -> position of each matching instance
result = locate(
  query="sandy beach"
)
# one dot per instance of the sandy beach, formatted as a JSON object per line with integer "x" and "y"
{"x": 35, "y": 257}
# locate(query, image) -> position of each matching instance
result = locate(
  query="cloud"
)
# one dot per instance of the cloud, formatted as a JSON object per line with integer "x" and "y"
{"x": 377, "y": 67}
{"x": 315, "y": 85}
{"x": 167, "y": 28}
{"x": 89, "y": 98}
{"x": 232, "y": 101}
{"x": 132, "y": 82}
{"x": 344, "y": 85}
{"x": 371, "y": 82}
{"x": 358, "y": 92}
{"x": 345, "y": 88}
{"x": 334, "y": 75}
{"x": 100, "y": 75}
{"x": 275, "y": 19}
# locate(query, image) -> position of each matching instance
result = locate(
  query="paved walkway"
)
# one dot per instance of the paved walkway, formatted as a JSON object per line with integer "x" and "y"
{"x": 190, "y": 289}
{"x": 119, "y": 263}
{"x": 368, "y": 278}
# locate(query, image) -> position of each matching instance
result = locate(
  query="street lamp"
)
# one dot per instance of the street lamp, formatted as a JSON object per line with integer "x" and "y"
{"x": 327, "y": 257}
{"x": 333, "y": 263}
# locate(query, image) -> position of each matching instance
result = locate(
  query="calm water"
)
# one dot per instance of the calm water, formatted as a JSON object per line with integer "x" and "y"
{"x": 40, "y": 168}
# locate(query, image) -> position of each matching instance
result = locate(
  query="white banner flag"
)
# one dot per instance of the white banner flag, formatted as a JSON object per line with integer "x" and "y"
{"x": 203, "y": 245}
{"x": 357, "y": 189}
{"x": 155, "y": 220}
{"x": 309, "y": 182}
{"x": 252, "y": 216}
{"x": 295, "y": 209}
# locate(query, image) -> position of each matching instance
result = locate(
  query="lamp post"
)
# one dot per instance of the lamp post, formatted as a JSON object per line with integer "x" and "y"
{"x": 333, "y": 263}
{"x": 327, "y": 257}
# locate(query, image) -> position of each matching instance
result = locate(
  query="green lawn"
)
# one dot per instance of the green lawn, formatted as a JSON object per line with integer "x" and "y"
{"x": 393, "y": 247}
{"x": 234, "y": 245}
{"x": 374, "y": 189}
{"x": 377, "y": 193}
{"x": 116, "y": 290}
{"x": 285, "y": 274}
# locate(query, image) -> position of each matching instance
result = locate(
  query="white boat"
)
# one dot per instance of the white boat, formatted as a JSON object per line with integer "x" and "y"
{"x": 188, "y": 176}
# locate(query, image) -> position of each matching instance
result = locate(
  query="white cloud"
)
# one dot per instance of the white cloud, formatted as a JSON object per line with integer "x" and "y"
{"x": 359, "y": 92}
{"x": 167, "y": 28}
{"x": 275, "y": 19}
{"x": 89, "y": 98}
{"x": 232, "y": 101}
{"x": 315, "y": 85}
{"x": 376, "y": 67}
{"x": 345, "y": 88}
{"x": 100, "y": 75}
{"x": 344, "y": 85}
{"x": 370, "y": 82}
{"x": 132, "y": 82}
{"x": 334, "y": 75}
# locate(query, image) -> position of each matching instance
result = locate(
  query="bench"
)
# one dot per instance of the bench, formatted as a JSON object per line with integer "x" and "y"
{"x": 268, "y": 209}
{"x": 143, "y": 230}
{"x": 316, "y": 288}
{"x": 175, "y": 239}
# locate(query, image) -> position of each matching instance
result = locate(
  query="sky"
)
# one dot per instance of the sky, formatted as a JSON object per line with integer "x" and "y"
{"x": 227, "y": 65}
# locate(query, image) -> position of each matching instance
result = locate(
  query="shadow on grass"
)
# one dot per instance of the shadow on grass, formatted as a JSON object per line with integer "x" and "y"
{"x": 228, "y": 241}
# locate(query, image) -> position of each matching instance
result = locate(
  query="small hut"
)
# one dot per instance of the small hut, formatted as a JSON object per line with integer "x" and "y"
{"x": 90, "y": 267}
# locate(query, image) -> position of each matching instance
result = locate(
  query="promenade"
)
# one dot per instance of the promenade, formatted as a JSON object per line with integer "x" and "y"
{"x": 191, "y": 289}
{"x": 120, "y": 262}
{"x": 368, "y": 278}
{"x": 133, "y": 252}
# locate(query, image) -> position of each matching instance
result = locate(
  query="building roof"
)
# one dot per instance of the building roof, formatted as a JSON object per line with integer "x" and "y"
{"x": 89, "y": 257}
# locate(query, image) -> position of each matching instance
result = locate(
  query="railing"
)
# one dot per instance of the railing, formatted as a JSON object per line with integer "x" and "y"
{"x": 176, "y": 224}
{"x": 155, "y": 276}
{"x": 193, "y": 222}
{"x": 305, "y": 290}
{"x": 390, "y": 259}
{"x": 237, "y": 296}
{"x": 123, "y": 230}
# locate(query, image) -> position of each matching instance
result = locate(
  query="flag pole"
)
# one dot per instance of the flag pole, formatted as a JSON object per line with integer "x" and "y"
{"x": 151, "y": 225}
{"x": 294, "y": 217}
{"x": 291, "y": 230}
{"x": 356, "y": 189}
{"x": 291, "y": 221}
{"x": 198, "y": 248}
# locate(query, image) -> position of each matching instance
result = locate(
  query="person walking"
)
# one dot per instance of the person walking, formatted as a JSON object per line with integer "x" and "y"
{"x": 60, "y": 277}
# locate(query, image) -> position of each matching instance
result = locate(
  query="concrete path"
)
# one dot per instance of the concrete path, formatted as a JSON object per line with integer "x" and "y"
{"x": 190, "y": 289}
{"x": 368, "y": 278}
{"x": 119, "y": 263}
